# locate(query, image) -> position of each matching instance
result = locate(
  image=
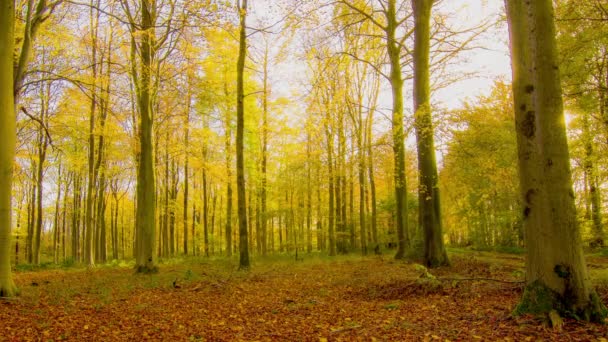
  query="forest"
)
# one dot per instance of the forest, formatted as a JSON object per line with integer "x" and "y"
{"x": 303, "y": 170}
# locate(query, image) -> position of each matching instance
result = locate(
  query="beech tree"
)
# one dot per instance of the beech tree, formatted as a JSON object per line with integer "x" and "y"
{"x": 428, "y": 188}
{"x": 240, "y": 128}
{"x": 556, "y": 275}
{"x": 7, "y": 141}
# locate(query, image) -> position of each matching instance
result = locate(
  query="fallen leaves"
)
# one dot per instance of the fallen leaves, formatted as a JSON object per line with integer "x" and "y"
{"x": 356, "y": 299}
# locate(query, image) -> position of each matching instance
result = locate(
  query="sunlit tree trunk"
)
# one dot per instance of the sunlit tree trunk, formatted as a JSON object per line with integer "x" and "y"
{"x": 7, "y": 144}
{"x": 591, "y": 173}
{"x": 428, "y": 188}
{"x": 556, "y": 274}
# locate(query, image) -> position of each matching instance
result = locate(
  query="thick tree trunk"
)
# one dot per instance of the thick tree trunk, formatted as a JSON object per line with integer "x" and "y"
{"x": 428, "y": 188}
{"x": 556, "y": 274}
{"x": 7, "y": 144}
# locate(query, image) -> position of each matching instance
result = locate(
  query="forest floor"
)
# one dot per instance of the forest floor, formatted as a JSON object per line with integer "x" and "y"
{"x": 319, "y": 299}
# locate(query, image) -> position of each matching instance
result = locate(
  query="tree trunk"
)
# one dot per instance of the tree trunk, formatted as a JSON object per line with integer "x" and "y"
{"x": 56, "y": 220}
{"x": 372, "y": 182}
{"x": 396, "y": 80}
{"x": 43, "y": 143}
{"x": 240, "y": 128}
{"x": 556, "y": 274}
{"x": 331, "y": 179}
{"x": 76, "y": 217}
{"x": 228, "y": 144}
{"x": 593, "y": 196}
{"x": 173, "y": 193}
{"x": 7, "y": 144}
{"x": 92, "y": 179}
{"x": 146, "y": 194}
{"x": 205, "y": 210}
{"x": 428, "y": 188}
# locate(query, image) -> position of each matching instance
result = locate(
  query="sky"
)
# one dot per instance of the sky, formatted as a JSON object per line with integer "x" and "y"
{"x": 288, "y": 79}
{"x": 490, "y": 63}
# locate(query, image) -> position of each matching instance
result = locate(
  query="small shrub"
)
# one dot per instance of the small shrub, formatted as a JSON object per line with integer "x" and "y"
{"x": 68, "y": 262}
{"x": 509, "y": 249}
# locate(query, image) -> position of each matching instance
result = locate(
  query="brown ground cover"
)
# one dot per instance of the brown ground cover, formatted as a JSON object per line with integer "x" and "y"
{"x": 319, "y": 299}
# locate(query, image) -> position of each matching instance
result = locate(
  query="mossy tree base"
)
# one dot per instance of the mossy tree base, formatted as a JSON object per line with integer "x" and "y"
{"x": 435, "y": 262}
{"x": 146, "y": 269}
{"x": 538, "y": 299}
{"x": 8, "y": 290}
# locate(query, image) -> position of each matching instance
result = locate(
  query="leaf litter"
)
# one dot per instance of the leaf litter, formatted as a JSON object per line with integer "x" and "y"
{"x": 352, "y": 298}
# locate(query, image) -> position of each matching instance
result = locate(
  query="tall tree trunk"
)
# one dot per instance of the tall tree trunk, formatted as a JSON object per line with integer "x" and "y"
{"x": 331, "y": 179}
{"x": 8, "y": 134}
{"x": 56, "y": 228}
{"x": 240, "y": 130}
{"x": 173, "y": 193}
{"x": 146, "y": 194}
{"x": 264, "y": 176}
{"x": 594, "y": 198}
{"x": 92, "y": 179}
{"x": 228, "y": 144}
{"x": 64, "y": 218}
{"x": 428, "y": 188}
{"x": 31, "y": 216}
{"x": 76, "y": 217}
{"x": 212, "y": 223}
{"x": 205, "y": 209}
{"x": 186, "y": 170}
{"x": 396, "y": 80}
{"x": 556, "y": 274}
{"x": 43, "y": 143}
{"x": 372, "y": 182}
{"x": 308, "y": 196}
{"x": 320, "y": 233}
{"x": 165, "y": 222}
